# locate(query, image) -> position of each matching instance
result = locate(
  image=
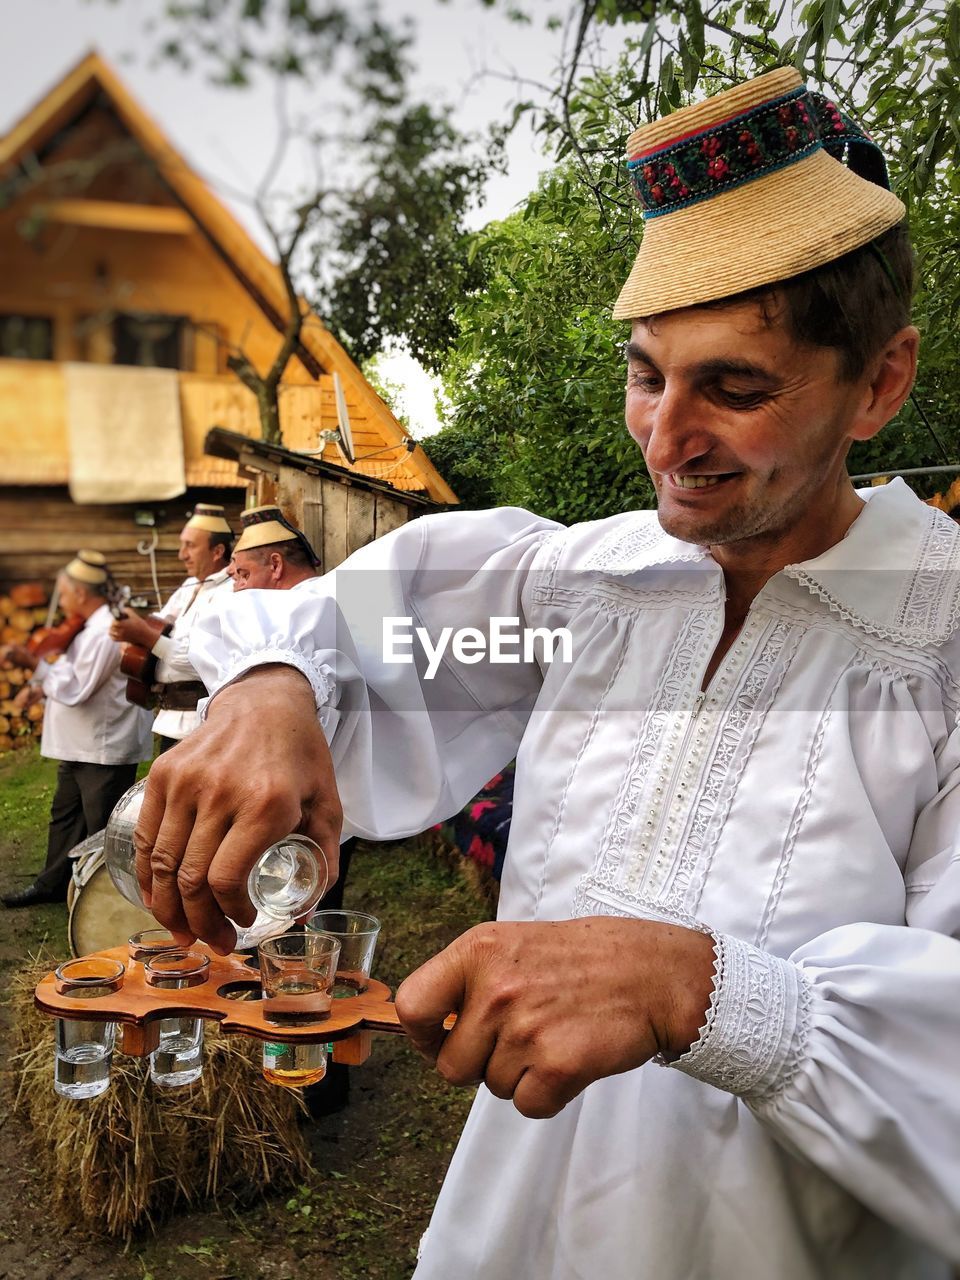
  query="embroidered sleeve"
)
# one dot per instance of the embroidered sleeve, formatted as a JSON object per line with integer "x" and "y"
{"x": 320, "y": 675}
{"x": 754, "y": 1038}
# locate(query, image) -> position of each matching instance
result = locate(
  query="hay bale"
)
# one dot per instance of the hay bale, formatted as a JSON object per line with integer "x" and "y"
{"x": 122, "y": 1162}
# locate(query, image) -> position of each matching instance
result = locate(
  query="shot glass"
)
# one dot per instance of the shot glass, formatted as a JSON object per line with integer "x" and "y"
{"x": 178, "y": 1058}
{"x": 297, "y": 972}
{"x": 84, "y": 1047}
{"x": 357, "y": 934}
{"x": 151, "y": 942}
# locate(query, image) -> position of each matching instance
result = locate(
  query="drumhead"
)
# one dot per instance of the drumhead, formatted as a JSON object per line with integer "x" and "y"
{"x": 100, "y": 917}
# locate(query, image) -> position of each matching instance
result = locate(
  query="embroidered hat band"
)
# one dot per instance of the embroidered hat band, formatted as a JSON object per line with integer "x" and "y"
{"x": 88, "y": 566}
{"x": 209, "y": 516}
{"x": 748, "y": 188}
{"x": 264, "y": 526}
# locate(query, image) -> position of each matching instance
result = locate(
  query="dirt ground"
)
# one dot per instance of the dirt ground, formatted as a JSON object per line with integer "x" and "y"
{"x": 377, "y": 1165}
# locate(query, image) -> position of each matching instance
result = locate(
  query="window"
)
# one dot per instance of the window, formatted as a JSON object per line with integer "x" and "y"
{"x": 155, "y": 342}
{"x": 26, "y": 337}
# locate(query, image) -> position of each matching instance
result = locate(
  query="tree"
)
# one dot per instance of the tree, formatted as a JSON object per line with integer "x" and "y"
{"x": 400, "y": 258}
{"x": 382, "y": 251}
{"x": 536, "y": 380}
{"x": 540, "y": 340}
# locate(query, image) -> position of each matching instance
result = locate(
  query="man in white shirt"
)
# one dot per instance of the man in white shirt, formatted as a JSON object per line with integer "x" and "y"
{"x": 271, "y": 553}
{"x": 717, "y": 1024}
{"x": 205, "y": 544}
{"x": 88, "y": 725}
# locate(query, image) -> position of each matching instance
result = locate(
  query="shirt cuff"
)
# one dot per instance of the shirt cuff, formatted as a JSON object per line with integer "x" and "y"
{"x": 321, "y": 676}
{"x": 164, "y": 647}
{"x": 754, "y": 1039}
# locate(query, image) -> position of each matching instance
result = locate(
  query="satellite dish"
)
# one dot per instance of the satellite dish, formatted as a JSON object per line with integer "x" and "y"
{"x": 345, "y": 441}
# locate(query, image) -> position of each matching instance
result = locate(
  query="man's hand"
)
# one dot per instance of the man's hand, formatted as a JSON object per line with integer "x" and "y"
{"x": 17, "y": 655}
{"x": 545, "y": 1009}
{"x": 256, "y": 770}
{"x": 28, "y": 695}
{"x": 132, "y": 629}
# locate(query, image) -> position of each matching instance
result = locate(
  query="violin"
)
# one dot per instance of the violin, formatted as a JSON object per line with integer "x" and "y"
{"x": 45, "y": 642}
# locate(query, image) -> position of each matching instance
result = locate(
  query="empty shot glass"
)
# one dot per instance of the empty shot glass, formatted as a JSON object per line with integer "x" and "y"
{"x": 151, "y": 942}
{"x": 178, "y": 1058}
{"x": 297, "y": 972}
{"x": 84, "y": 1046}
{"x": 357, "y": 934}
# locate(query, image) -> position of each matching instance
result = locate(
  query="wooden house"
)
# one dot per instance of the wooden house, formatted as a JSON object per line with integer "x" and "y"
{"x": 124, "y": 284}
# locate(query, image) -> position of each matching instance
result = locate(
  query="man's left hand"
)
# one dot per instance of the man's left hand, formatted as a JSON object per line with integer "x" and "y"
{"x": 28, "y": 695}
{"x": 544, "y": 1009}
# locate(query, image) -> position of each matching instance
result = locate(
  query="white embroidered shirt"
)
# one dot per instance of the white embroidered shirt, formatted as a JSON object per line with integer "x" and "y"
{"x": 805, "y": 807}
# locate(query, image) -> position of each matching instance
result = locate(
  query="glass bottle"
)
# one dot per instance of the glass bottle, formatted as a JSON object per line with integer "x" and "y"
{"x": 286, "y": 882}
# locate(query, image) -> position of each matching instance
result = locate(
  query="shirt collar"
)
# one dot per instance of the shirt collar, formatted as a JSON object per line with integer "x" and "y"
{"x": 896, "y": 573}
{"x": 100, "y": 619}
{"x": 637, "y": 541}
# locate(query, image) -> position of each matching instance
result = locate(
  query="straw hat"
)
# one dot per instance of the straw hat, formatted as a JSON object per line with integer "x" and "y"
{"x": 88, "y": 566}
{"x": 745, "y": 189}
{"x": 207, "y": 515}
{"x": 263, "y": 526}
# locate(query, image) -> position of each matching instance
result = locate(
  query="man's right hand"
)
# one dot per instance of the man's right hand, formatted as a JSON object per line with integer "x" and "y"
{"x": 257, "y": 769}
{"x": 132, "y": 629}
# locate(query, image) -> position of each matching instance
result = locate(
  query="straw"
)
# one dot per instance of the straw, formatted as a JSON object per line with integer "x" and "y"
{"x": 123, "y": 1162}
{"x": 789, "y": 221}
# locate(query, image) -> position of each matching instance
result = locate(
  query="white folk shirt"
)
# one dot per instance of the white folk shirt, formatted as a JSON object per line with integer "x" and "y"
{"x": 806, "y": 808}
{"x": 183, "y": 609}
{"x": 87, "y": 717}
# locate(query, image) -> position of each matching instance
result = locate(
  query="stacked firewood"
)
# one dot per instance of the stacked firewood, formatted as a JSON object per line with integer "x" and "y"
{"x": 22, "y": 610}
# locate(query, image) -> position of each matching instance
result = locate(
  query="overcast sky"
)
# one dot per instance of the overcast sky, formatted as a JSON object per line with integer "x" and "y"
{"x": 229, "y": 135}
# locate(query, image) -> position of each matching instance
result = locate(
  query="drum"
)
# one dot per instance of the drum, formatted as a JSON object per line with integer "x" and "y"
{"x": 99, "y": 916}
{"x": 86, "y": 857}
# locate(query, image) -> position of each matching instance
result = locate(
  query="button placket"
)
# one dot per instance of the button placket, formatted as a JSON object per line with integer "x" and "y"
{"x": 655, "y": 874}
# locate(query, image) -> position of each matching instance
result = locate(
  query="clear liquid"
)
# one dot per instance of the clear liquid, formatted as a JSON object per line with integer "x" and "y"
{"x": 82, "y": 1071}
{"x": 294, "y": 1065}
{"x": 178, "y": 1059}
{"x": 289, "y": 879}
{"x": 295, "y": 1000}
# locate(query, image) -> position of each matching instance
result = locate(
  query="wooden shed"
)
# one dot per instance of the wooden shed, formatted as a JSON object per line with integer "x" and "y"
{"x": 121, "y": 267}
{"x": 338, "y": 510}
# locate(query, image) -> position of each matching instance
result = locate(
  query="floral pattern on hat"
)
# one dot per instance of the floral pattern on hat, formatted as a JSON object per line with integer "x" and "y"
{"x": 728, "y": 154}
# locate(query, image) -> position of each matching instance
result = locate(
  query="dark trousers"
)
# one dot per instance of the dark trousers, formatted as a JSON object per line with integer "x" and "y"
{"x": 332, "y": 900}
{"x": 82, "y": 803}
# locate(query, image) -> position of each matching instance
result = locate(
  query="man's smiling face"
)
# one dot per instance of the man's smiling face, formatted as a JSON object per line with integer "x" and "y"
{"x": 744, "y": 430}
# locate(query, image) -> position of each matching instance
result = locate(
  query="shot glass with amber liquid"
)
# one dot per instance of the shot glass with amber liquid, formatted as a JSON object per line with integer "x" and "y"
{"x": 297, "y": 973}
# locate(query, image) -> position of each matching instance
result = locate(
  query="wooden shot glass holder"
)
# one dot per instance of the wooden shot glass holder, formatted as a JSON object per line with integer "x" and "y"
{"x": 229, "y": 996}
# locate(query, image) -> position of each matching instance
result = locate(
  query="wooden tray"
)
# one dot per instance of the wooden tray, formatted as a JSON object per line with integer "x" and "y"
{"x": 138, "y": 1008}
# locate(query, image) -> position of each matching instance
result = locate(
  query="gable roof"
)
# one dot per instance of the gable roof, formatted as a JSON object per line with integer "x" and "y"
{"x": 319, "y": 351}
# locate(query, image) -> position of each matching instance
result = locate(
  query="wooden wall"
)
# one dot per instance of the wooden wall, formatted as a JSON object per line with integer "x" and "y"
{"x": 338, "y": 518}
{"x": 41, "y": 529}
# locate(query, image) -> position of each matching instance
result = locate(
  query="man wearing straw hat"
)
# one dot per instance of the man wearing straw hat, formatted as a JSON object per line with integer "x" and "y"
{"x": 717, "y": 1025}
{"x": 205, "y": 543}
{"x": 271, "y": 553}
{"x": 88, "y": 726}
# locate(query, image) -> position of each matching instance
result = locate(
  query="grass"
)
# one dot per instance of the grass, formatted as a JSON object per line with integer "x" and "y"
{"x": 376, "y": 1166}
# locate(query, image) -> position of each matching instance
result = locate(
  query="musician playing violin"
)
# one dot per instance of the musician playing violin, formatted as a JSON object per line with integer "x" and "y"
{"x": 88, "y": 724}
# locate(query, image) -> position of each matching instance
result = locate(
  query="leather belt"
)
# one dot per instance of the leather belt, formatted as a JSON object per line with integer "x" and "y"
{"x": 181, "y": 695}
